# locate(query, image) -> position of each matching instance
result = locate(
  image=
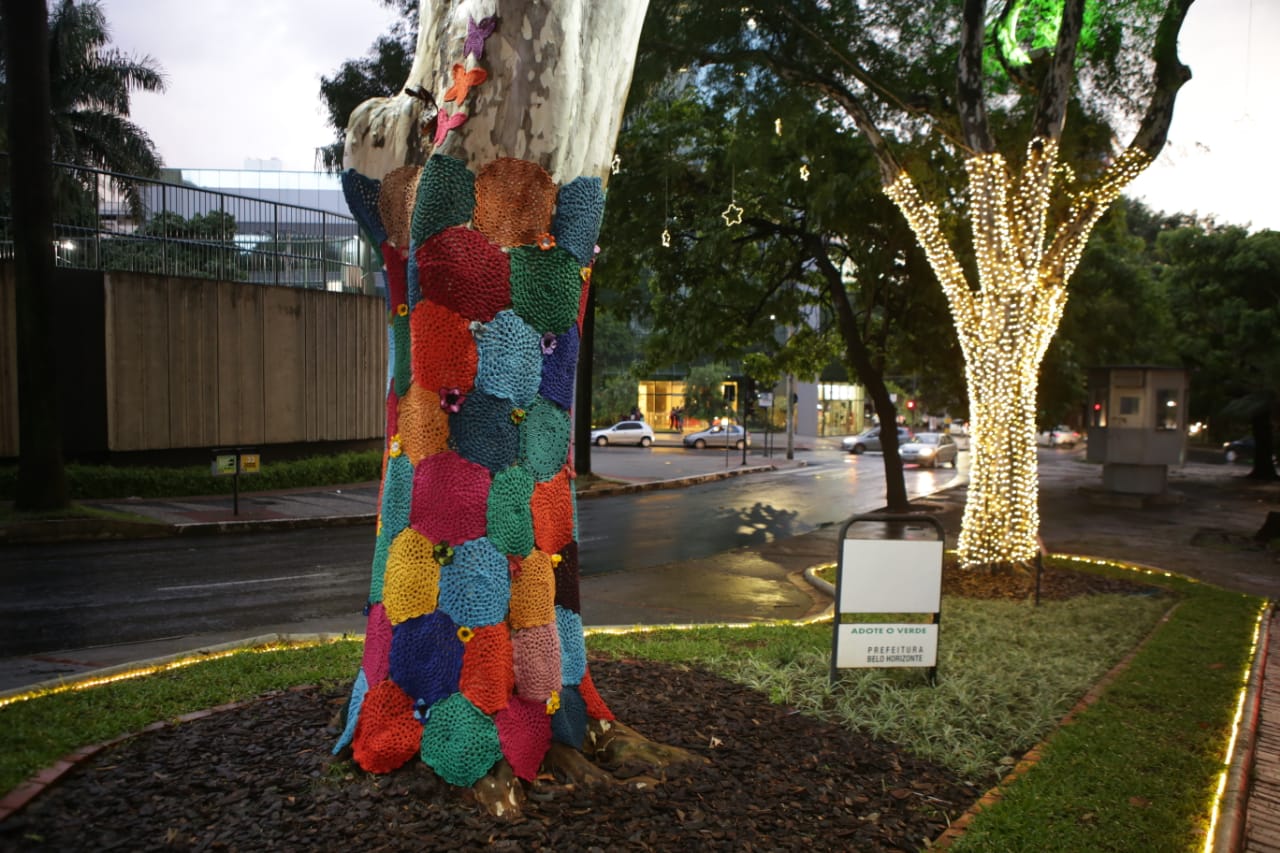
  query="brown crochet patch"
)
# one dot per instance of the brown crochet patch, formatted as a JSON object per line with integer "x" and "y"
{"x": 395, "y": 203}
{"x": 514, "y": 201}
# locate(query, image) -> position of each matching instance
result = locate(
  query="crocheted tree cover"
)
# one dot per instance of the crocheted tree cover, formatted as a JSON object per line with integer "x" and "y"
{"x": 387, "y": 735}
{"x": 524, "y": 730}
{"x": 474, "y": 648}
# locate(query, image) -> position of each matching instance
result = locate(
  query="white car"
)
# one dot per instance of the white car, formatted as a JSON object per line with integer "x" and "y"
{"x": 1059, "y": 436}
{"x": 623, "y": 432}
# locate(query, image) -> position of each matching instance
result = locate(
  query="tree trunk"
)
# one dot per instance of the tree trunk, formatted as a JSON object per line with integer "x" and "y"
{"x": 474, "y": 656}
{"x": 42, "y": 481}
{"x": 1004, "y": 328}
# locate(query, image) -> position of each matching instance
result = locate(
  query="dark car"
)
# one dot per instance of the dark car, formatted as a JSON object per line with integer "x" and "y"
{"x": 869, "y": 439}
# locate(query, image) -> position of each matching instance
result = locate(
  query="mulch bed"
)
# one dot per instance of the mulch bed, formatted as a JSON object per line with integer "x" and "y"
{"x": 260, "y": 777}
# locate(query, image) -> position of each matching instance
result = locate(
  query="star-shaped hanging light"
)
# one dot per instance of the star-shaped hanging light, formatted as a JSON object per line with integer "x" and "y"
{"x": 616, "y": 166}
{"x": 666, "y": 238}
{"x": 804, "y": 171}
{"x": 732, "y": 215}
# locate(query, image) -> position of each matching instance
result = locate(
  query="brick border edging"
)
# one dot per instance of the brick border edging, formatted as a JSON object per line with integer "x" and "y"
{"x": 1032, "y": 757}
{"x": 1232, "y": 829}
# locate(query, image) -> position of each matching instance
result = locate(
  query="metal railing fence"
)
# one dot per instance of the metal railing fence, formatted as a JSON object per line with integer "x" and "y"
{"x": 109, "y": 221}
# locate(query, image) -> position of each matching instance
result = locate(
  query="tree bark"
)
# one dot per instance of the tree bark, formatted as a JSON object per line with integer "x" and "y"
{"x": 475, "y": 644}
{"x": 42, "y": 484}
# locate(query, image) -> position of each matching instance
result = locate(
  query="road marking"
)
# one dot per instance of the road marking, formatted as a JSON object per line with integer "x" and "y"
{"x": 243, "y": 583}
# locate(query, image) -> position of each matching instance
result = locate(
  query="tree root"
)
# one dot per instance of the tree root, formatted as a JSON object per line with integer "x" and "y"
{"x": 613, "y": 754}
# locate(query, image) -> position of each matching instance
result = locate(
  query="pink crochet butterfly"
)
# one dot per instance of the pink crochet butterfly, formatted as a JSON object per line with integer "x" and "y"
{"x": 446, "y": 123}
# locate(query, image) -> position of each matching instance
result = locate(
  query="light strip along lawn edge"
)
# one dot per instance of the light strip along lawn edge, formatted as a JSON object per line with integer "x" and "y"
{"x": 1032, "y": 756}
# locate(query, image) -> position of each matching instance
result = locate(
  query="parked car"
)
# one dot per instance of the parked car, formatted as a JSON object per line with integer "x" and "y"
{"x": 1059, "y": 436}
{"x": 718, "y": 436}
{"x": 930, "y": 449}
{"x": 869, "y": 439}
{"x": 623, "y": 432}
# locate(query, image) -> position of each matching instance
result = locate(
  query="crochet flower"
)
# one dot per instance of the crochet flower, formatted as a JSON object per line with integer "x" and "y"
{"x": 395, "y": 448}
{"x": 402, "y": 310}
{"x": 556, "y": 559}
{"x": 443, "y": 552}
{"x": 451, "y": 399}
{"x": 514, "y": 567}
{"x": 546, "y": 241}
{"x": 465, "y": 634}
{"x": 421, "y": 711}
{"x": 585, "y": 274}
{"x": 517, "y": 416}
{"x": 549, "y": 341}
{"x": 553, "y": 702}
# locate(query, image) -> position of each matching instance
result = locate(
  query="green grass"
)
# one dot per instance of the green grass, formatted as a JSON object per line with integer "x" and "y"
{"x": 1136, "y": 771}
{"x": 87, "y": 482}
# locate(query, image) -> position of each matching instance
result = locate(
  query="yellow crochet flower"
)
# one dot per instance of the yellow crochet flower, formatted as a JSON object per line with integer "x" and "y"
{"x": 465, "y": 634}
{"x": 395, "y": 449}
{"x": 402, "y": 310}
{"x": 553, "y": 702}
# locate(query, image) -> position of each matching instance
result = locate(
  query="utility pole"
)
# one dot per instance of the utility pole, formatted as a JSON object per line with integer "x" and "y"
{"x": 791, "y": 416}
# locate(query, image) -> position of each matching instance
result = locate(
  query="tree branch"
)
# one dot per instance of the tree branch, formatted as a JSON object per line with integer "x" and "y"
{"x": 970, "y": 104}
{"x": 1051, "y": 112}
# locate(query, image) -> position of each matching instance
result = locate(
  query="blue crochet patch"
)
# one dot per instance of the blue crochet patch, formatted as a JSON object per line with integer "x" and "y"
{"x": 579, "y": 210}
{"x": 426, "y": 657}
{"x": 361, "y": 194}
{"x": 569, "y": 723}
{"x": 559, "y": 369}
{"x": 358, "y": 690}
{"x": 510, "y": 359}
{"x": 476, "y": 587}
{"x": 573, "y": 648}
{"x": 483, "y": 432}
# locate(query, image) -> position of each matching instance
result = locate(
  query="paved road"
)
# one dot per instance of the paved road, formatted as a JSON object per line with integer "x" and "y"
{"x": 84, "y": 594}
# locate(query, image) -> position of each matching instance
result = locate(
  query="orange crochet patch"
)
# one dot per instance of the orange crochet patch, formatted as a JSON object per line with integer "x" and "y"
{"x": 411, "y": 585}
{"x": 488, "y": 678}
{"x": 553, "y": 513}
{"x": 395, "y": 202}
{"x": 387, "y": 735}
{"x": 444, "y": 350}
{"x": 424, "y": 426}
{"x": 514, "y": 201}
{"x": 533, "y": 592}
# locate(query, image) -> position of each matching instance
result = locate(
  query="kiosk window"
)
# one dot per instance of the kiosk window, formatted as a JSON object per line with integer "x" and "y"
{"x": 1166, "y": 408}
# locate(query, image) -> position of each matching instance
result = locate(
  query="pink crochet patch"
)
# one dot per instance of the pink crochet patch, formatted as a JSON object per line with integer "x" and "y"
{"x": 524, "y": 731}
{"x": 450, "y": 499}
{"x": 377, "y": 646}
{"x": 536, "y": 659}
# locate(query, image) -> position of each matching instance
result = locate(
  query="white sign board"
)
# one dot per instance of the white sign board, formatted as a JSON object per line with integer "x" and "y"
{"x": 890, "y": 576}
{"x": 876, "y": 644}
{"x": 765, "y": 399}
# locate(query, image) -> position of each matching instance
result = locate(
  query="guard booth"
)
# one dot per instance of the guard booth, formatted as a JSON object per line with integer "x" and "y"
{"x": 1137, "y": 426}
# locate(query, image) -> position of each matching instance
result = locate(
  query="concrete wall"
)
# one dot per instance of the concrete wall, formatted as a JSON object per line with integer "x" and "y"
{"x": 198, "y": 363}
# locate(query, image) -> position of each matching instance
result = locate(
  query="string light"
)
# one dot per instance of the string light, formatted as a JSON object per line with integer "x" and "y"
{"x": 777, "y": 126}
{"x": 1005, "y": 326}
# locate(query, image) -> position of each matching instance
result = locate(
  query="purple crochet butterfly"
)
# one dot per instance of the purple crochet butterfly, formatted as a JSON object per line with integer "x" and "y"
{"x": 476, "y": 35}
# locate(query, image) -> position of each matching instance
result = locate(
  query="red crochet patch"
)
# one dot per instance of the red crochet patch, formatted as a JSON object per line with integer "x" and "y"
{"x": 524, "y": 730}
{"x": 596, "y": 708}
{"x": 488, "y": 678}
{"x": 387, "y": 735}
{"x": 444, "y": 350}
{"x": 377, "y": 645}
{"x": 460, "y": 269}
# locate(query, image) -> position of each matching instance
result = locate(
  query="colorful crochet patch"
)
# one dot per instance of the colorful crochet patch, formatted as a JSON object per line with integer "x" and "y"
{"x": 514, "y": 199}
{"x": 462, "y": 270}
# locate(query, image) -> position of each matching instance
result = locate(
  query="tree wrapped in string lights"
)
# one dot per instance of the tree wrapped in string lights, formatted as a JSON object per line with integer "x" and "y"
{"x": 927, "y": 74}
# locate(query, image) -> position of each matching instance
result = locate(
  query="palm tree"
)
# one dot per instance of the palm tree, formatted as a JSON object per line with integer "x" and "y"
{"x": 89, "y": 87}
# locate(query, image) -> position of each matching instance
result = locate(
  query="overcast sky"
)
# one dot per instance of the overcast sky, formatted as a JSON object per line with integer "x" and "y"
{"x": 244, "y": 75}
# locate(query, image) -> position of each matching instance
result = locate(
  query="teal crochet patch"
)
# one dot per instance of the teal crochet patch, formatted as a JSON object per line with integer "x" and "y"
{"x": 544, "y": 439}
{"x": 579, "y": 209}
{"x": 476, "y": 586}
{"x": 358, "y": 690}
{"x": 446, "y": 197}
{"x": 546, "y": 287}
{"x": 510, "y": 359}
{"x": 510, "y": 517}
{"x": 459, "y": 741}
